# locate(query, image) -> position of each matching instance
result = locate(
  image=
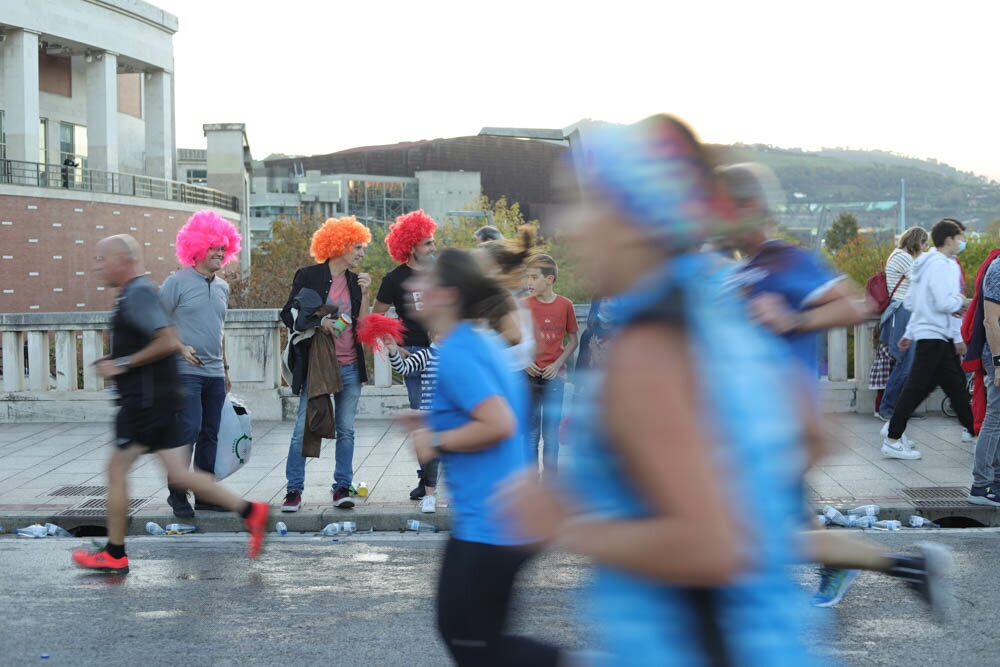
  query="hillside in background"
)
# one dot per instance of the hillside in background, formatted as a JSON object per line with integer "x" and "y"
{"x": 840, "y": 176}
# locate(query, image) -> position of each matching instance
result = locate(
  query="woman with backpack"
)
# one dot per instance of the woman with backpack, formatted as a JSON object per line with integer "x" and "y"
{"x": 895, "y": 317}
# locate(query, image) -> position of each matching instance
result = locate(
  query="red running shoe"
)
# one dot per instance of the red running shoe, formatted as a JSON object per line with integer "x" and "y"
{"x": 257, "y": 525}
{"x": 100, "y": 561}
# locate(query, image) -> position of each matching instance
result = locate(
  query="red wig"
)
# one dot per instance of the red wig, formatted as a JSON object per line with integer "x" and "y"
{"x": 408, "y": 230}
{"x": 202, "y": 231}
{"x": 374, "y": 327}
{"x": 336, "y": 236}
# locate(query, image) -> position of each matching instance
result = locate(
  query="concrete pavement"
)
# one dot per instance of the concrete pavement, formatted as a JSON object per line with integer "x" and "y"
{"x": 55, "y": 472}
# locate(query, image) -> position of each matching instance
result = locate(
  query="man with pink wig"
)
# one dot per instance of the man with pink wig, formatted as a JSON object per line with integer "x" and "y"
{"x": 196, "y": 299}
{"x": 411, "y": 243}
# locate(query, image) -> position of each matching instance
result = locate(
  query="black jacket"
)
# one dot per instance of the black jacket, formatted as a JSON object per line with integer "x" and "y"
{"x": 317, "y": 278}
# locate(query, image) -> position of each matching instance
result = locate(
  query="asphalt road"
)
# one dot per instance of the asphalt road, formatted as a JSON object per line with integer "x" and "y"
{"x": 369, "y": 600}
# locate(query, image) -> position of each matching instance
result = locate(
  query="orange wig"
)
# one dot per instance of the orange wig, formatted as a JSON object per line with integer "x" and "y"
{"x": 336, "y": 236}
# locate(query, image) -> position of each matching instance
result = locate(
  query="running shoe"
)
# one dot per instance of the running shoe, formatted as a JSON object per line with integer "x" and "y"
{"x": 100, "y": 561}
{"x": 428, "y": 505}
{"x": 903, "y": 439}
{"x": 293, "y": 501}
{"x": 932, "y": 580}
{"x": 833, "y": 586}
{"x": 256, "y": 524}
{"x": 342, "y": 498}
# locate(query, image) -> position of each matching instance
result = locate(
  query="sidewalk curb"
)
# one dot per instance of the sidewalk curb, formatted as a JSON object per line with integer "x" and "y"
{"x": 381, "y": 519}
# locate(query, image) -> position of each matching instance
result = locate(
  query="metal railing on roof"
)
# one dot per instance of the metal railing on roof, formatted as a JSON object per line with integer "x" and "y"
{"x": 40, "y": 175}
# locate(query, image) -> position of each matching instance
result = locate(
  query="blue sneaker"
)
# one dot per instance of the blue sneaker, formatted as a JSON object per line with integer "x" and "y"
{"x": 833, "y": 586}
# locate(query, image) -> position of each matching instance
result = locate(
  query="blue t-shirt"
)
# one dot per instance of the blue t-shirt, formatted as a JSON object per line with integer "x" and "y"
{"x": 471, "y": 369}
{"x": 799, "y": 276}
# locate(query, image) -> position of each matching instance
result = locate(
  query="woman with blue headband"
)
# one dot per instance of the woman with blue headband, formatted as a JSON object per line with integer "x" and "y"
{"x": 688, "y": 418}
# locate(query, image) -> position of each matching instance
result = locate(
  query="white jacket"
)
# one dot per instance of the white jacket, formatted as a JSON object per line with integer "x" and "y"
{"x": 933, "y": 298}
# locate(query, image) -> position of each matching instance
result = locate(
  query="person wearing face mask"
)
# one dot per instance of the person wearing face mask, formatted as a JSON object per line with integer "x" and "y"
{"x": 937, "y": 304}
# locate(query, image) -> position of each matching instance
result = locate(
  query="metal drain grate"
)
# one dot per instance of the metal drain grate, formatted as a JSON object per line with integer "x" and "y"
{"x": 99, "y": 507}
{"x": 80, "y": 491}
{"x": 936, "y": 496}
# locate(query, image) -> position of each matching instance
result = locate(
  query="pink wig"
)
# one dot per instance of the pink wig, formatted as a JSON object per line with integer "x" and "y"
{"x": 202, "y": 231}
{"x": 408, "y": 230}
{"x": 336, "y": 237}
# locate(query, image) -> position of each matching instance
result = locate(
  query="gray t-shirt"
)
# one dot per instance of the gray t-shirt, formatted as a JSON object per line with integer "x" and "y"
{"x": 197, "y": 305}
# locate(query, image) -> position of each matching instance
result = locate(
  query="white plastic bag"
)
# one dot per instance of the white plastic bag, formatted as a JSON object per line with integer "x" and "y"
{"x": 235, "y": 439}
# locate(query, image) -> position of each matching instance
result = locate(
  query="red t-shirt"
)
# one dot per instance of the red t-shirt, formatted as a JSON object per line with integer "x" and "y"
{"x": 552, "y": 322}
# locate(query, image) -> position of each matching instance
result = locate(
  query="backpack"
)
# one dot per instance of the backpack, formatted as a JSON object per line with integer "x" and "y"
{"x": 877, "y": 293}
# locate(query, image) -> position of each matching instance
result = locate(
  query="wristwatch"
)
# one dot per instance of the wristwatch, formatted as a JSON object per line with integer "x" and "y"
{"x": 996, "y": 360}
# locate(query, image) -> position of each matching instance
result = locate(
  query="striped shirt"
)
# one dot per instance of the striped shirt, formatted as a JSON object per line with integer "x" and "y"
{"x": 424, "y": 359}
{"x": 897, "y": 266}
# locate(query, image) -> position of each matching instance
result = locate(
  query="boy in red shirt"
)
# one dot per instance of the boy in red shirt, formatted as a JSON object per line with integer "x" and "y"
{"x": 555, "y": 339}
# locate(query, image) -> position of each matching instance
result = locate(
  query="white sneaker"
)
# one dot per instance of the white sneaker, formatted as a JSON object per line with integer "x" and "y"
{"x": 967, "y": 437}
{"x": 898, "y": 450}
{"x": 428, "y": 505}
{"x": 903, "y": 439}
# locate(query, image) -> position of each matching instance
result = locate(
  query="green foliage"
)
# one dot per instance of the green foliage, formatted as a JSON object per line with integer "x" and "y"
{"x": 972, "y": 257}
{"x": 860, "y": 257}
{"x": 842, "y": 231}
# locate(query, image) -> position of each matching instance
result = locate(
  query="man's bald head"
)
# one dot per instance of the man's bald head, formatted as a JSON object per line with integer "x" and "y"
{"x": 118, "y": 259}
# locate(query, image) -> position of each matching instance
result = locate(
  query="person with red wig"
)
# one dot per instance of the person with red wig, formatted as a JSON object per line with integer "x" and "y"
{"x": 338, "y": 246}
{"x": 411, "y": 243}
{"x": 196, "y": 298}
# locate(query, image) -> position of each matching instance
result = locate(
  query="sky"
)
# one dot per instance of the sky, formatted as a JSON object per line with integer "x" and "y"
{"x": 313, "y": 76}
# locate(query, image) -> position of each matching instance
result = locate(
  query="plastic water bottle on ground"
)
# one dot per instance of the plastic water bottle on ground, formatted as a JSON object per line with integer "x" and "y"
{"x": 33, "y": 531}
{"x": 864, "y": 510}
{"x": 281, "y": 528}
{"x": 345, "y": 527}
{"x": 180, "y": 528}
{"x": 421, "y": 526}
{"x": 833, "y": 516}
{"x": 154, "y": 528}
{"x": 57, "y": 531}
{"x": 887, "y": 525}
{"x": 362, "y": 489}
{"x": 864, "y": 521}
{"x": 922, "y": 522}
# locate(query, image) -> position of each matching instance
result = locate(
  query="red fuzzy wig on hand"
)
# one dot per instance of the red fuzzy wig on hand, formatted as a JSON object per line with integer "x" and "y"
{"x": 336, "y": 237}
{"x": 202, "y": 231}
{"x": 374, "y": 327}
{"x": 408, "y": 230}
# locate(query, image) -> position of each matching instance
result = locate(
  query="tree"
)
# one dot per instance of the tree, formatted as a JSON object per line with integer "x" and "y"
{"x": 273, "y": 264}
{"x": 842, "y": 231}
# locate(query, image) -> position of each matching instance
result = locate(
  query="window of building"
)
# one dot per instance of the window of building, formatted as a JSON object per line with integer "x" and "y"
{"x": 3, "y": 136}
{"x": 73, "y": 143}
{"x": 197, "y": 176}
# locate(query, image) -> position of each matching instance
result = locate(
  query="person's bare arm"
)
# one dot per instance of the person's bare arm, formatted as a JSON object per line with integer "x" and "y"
{"x": 492, "y": 421}
{"x": 380, "y": 307}
{"x": 164, "y": 343}
{"x": 667, "y": 454}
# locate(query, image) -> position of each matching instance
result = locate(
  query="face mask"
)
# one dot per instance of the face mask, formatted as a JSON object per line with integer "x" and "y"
{"x": 961, "y": 246}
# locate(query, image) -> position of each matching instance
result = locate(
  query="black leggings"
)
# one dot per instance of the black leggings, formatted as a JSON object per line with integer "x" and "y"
{"x": 473, "y": 599}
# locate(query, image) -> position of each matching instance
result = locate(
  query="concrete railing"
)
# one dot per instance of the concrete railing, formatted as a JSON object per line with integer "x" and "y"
{"x": 48, "y": 368}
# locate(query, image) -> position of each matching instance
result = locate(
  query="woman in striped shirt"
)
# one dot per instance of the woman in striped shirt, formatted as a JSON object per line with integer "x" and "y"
{"x": 912, "y": 242}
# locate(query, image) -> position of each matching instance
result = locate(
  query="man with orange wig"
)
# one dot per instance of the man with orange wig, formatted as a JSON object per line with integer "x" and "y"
{"x": 196, "y": 298}
{"x": 338, "y": 246}
{"x": 411, "y": 243}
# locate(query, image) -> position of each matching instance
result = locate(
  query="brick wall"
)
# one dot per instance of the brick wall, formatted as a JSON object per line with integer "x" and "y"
{"x": 47, "y": 250}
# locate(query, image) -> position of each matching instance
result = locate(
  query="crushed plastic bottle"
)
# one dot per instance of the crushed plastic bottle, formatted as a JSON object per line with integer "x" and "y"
{"x": 346, "y": 527}
{"x": 180, "y": 528}
{"x": 822, "y": 520}
{"x": 863, "y": 521}
{"x": 154, "y": 528}
{"x": 362, "y": 489}
{"x": 922, "y": 522}
{"x": 421, "y": 526}
{"x": 34, "y": 530}
{"x": 280, "y": 528}
{"x": 887, "y": 525}
{"x": 864, "y": 510}
{"x": 833, "y": 516}
{"x": 57, "y": 531}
